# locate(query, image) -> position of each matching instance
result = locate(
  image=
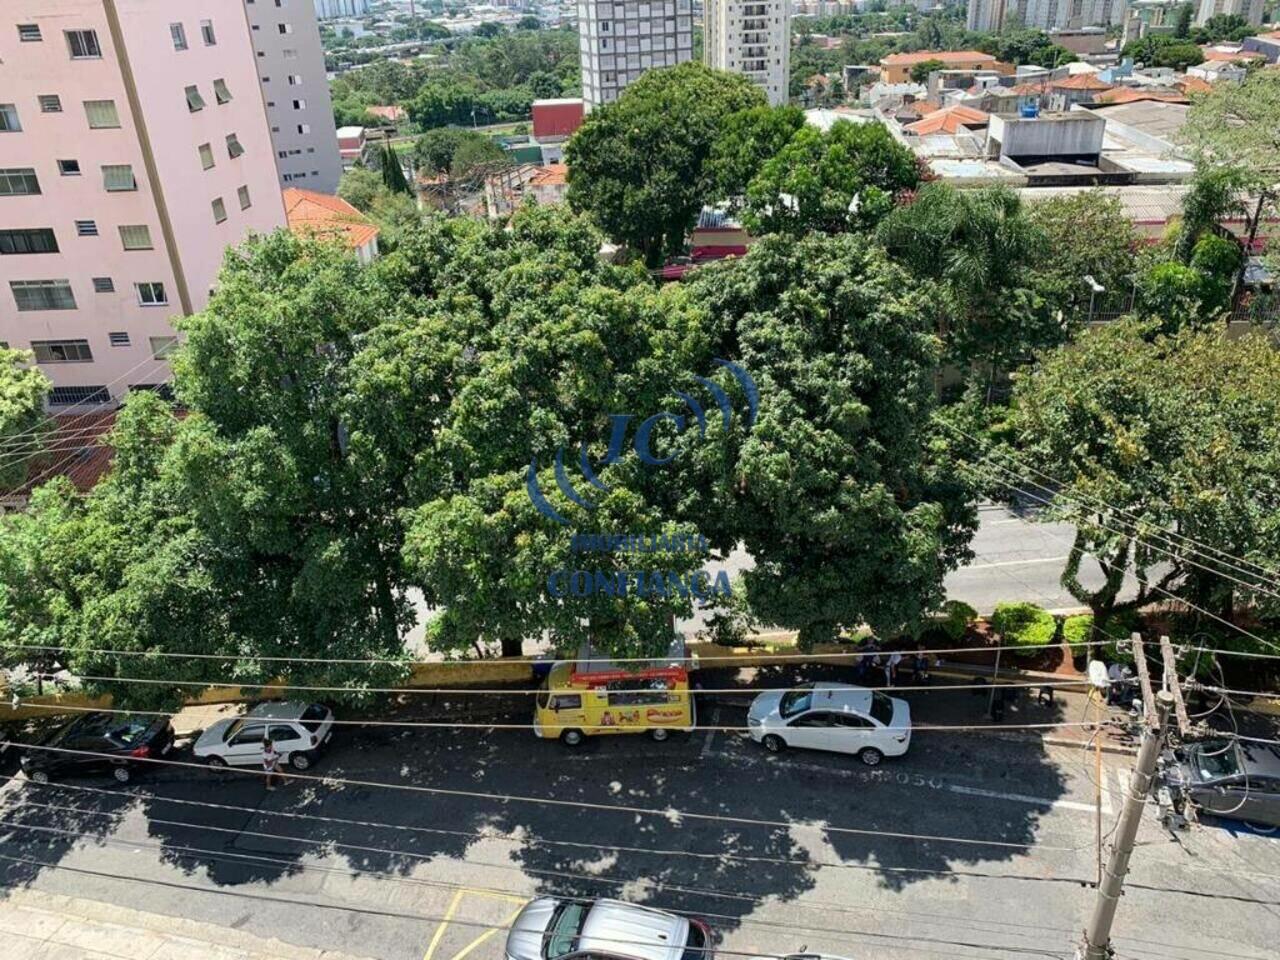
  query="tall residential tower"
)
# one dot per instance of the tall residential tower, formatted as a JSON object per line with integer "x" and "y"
{"x": 286, "y": 40}
{"x": 752, "y": 37}
{"x": 621, "y": 40}
{"x": 134, "y": 149}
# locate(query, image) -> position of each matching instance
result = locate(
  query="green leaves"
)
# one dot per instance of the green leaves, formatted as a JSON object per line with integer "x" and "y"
{"x": 22, "y": 422}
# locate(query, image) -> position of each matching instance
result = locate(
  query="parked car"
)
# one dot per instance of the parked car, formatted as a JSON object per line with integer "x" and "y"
{"x": 119, "y": 743}
{"x": 14, "y": 733}
{"x": 832, "y": 716}
{"x": 1228, "y": 778}
{"x": 802, "y": 955}
{"x": 299, "y": 731}
{"x": 550, "y": 928}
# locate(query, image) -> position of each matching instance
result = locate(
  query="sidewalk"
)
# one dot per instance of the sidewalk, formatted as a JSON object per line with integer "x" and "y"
{"x": 44, "y": 926}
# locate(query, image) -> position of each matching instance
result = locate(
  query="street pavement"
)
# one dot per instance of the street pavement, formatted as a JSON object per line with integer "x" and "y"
{"x": 971, "y": 846}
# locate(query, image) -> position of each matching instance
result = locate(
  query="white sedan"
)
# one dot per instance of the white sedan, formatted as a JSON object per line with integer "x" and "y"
{"x": 298, "y": 731}
{"x": 832, "y": 716}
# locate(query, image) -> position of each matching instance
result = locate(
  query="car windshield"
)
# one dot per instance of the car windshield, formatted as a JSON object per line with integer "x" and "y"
{"x": 562, "y": 932}
{"x": 795, "y": 701}
{"x": 313, "y": 716}
{"x": 881, "y": 708}
{"x": 1215, "y": 761}
{"x": 128, "y": 730}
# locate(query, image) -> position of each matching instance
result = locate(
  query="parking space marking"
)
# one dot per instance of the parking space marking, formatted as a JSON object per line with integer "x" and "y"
{"x": 1019, "y": 798}
{"x": 458, "y": 898}
{"x": 489, "y": 933}
{"x": 439, "y": 934}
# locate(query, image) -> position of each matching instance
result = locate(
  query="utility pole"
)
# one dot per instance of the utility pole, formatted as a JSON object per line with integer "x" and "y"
{"x": 1097, "y": 935}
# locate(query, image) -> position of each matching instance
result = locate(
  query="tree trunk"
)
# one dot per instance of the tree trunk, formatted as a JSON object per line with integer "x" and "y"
{"x": 1237, "y": 291}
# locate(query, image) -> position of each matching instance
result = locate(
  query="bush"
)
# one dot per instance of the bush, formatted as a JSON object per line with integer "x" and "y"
{"x": 956, "y": 617}
{"x": 1024, "y": 625}
{"x": 1077, "y": 631}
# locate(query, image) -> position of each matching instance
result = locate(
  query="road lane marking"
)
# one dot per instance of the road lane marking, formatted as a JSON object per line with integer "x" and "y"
{"x": 444, "y": 923}
{"x": 711, "y": 734}
{"x": 1012, "y": 563}
{"x": 489, "y": 933}
{"x": 1019, "y": 798}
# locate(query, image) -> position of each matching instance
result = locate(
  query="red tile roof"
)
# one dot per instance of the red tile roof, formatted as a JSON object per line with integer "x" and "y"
{"x": 311, "y": 214}
{"x": 946, "y": 56}
{"x": 74, "y": 450}
{"x": 1132, "y": 95}
{"x": 949, "y": 120}
{"x": 1194, "y": 85}
{"x": 1031, "y": 89}
{"x": 1081, "y": 81}
{"x": 1217, "y": 53}
{"x": 553, "y": 174}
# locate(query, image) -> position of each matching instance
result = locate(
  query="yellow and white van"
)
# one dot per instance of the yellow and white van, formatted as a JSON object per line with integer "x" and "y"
{"x": 573, "y": 703}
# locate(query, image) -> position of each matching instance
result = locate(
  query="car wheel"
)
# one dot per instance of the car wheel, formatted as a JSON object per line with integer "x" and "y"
{"x": 571, "y": 737}
{"x": 121, "y": 774}
{"x": 38, "y": 776}
{"x": 659, "y": 733}
{"x": 300, "y": 761}
{"x": 216, "y": 762}
{"x": 870, "y": 756}
{"x": 774, "y": 743}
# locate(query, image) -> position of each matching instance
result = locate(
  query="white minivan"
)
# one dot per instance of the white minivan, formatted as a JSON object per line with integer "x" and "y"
{"x": 832, "y": 716}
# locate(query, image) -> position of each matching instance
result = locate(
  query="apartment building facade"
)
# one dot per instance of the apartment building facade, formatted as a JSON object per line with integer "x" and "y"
{"x": 286, "y": 42}
{"x": 753, "y": 38}
{"x": 134, "y": 149}
{"x": 1251, "y": 10}
{"x": 618, "y": 41}
{"x": 985, "y": 16}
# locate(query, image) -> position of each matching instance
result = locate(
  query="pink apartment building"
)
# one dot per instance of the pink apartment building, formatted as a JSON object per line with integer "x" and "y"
{"x": 134, "y": 149}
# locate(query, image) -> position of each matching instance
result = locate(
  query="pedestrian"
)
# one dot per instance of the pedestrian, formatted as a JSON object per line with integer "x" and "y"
{"x": 868, "y": 659}
{"x": 270, "y": 762}
{"x": 891, "y": 668}
{"x": 1115, "y": 680}
{"x": 920, "y": 665}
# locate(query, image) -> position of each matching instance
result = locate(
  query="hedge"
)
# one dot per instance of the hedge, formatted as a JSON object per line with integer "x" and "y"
{"x": 1024, "y": 625}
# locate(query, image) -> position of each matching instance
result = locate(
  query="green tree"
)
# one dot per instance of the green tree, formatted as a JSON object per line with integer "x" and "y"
{"x": 1086, "y": 234}
{"x": 1182, "y": 26}
{"x": 392, "y": 173}
{"x": 639, "y": 166}
{"x": 747, "y": 140}
{"x": 839, "y": 490}
{"x": 1151, "y": 436}
{"x": 435, "y": 150}
{"x": 477, "y": 156}
{"x": 830, "y": 182}
{"x": 920, "y": 71}
{"x": 23, "y": 387}
{"x": 361, "y": 187}
{"x": 1236, "y": 128}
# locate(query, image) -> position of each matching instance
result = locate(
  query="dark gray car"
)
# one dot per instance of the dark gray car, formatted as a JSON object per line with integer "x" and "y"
{"x": 1226, "y": 778}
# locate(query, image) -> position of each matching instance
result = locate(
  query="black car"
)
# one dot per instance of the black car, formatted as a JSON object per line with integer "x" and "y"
{"x": 1227, "y": 778}
{"x": 14, "y": 733}
{"x": 119, "y": 743}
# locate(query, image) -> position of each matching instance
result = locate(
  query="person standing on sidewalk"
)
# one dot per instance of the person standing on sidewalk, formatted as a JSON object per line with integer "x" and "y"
{"x": 270, "y": 762}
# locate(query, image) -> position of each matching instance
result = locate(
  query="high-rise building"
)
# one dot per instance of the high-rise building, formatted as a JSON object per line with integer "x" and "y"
{"x": 333, "y": 9}
{"x": 621, "y": 40}
{"x": 134, "y": 149}
{"x": 1251, "y": 10}
{"x": 286, "y": 41}
{"x": 985, "y": 16}
{"x": 1069, "y": 14}
{"x": 751, "y": 37}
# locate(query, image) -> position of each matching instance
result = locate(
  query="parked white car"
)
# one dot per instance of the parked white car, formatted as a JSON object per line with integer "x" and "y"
{"x": 299, "y": 731}
{"x": 832, "y": 716}
{"x": 549, "y": 928}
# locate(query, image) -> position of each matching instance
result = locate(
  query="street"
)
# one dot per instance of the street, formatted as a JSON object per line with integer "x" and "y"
{"x": 971, "y": 846}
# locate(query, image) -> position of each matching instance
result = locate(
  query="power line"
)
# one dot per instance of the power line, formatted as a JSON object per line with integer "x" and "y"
{"x": 478, "y": 725}
{"x": 1165, "y": 535}
{"x": 669, "y": 814}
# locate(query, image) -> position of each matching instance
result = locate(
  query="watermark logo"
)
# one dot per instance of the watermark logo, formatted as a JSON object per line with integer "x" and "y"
{"x": 642, "y": 441}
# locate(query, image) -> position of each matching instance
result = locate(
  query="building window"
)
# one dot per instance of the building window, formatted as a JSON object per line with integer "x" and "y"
{"x": 29, "y": 32}
{"x": 289, "y": 54}
{"x": 206, "y": 156}
{"x": 70, "y": 396}
{"x": 219, "y": 210}
{"x": 86, "y": 228}
{"x": 136, "y": 237}
{"x": 83, "y": 45}
{"x": 9, "y": 119}
{"x": 35, "y": 240}
{"x": 163, "y": 347}
{"x": 295, "y": 80}
{"x": 304, "y": 128}
{"x": 118, "y": 338}
{"x": 179, "y": 34}
{"x": 69, "y": 168}
{"x": 118, "y": 178}
{"x": 104, "y": 285}
{"x": 233, "y": 146}
{"x": 299, "y": 104}
{"x": 206, "y": 31}
{"x": 62, "y": 351}
{"x": 43, "y": 294}
{"x": 245, "y": 201}
{"x": 18, "y": 182}
{"x": 151, "y": 294}
{"x": 220, "y": 91}
{"x": 195, "y": 102}
{"x": 284, "y": 28}
{"x": 50, "y": 103}
{"x": 102, "y": 114}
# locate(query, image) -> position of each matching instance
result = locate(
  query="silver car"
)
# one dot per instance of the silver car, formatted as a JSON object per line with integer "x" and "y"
{"x": 549, "y": 928}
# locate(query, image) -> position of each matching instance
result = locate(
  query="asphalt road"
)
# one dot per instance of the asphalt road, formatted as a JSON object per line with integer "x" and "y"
{"x": 970, "y": 847}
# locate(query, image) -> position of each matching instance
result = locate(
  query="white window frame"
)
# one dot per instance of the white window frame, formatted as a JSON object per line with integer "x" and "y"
{"x": 151, "y": 294}
{"x": 88, "y": 40}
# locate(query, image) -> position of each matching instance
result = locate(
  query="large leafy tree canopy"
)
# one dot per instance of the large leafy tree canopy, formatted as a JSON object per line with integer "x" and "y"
{"x": 22, "y": 391}
{"x": 639, "y": 166}
{"x": 1152, "y": 435}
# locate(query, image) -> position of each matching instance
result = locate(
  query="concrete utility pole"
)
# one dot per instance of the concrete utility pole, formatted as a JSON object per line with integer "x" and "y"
{"x": 1097, "y": 936}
